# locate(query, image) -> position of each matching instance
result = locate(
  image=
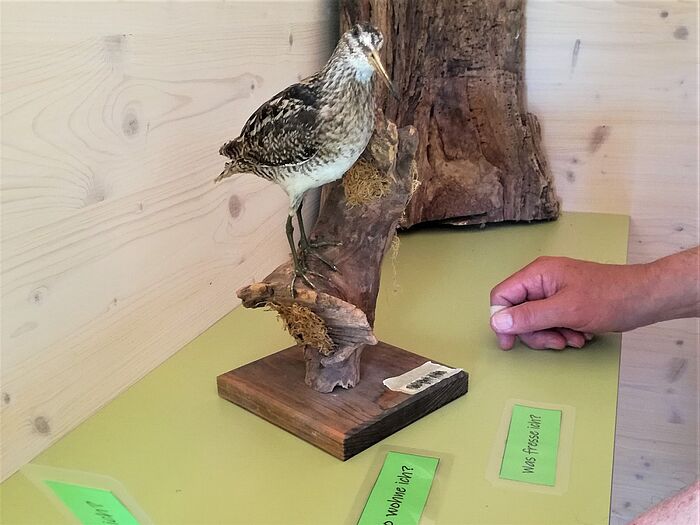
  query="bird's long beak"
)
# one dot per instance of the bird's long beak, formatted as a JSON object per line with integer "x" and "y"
{"x": 377, "y": 63}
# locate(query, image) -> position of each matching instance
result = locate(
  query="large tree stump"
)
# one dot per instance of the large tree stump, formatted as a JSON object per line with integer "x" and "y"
{"x": 334, "y": 322}
{"x": 458, "y": 68}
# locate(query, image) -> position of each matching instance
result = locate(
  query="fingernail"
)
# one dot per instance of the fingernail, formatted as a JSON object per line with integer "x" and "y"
{"x": 502, "y": 321}
{"x": 588, "y": 336}
{"x": 505, "y": 342}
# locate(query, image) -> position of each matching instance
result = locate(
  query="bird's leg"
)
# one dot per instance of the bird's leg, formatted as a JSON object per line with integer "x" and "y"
{"x": 307, "y": 248}
{"x": 299, "y": 264}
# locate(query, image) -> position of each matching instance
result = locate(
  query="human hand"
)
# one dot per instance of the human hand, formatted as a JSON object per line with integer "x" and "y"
{"x": 556, "y": 301}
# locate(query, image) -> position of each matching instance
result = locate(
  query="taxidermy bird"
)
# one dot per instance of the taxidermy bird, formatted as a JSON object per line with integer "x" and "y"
{"x": 311, "y": 133}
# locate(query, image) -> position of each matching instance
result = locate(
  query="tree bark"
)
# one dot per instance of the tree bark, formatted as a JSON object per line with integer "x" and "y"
{"x": 345, "y": 301}
{"x": 458, "y": 68}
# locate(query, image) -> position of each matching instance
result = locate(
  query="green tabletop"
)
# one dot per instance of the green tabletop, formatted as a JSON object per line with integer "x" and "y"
{"x": 188, "y": 457}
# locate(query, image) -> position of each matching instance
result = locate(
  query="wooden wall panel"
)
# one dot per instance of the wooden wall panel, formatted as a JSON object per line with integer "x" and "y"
{"x": 117, "y": 246}
{"x": 615, "y": 85}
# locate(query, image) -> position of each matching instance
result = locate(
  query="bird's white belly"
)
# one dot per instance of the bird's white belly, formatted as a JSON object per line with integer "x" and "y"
{"x": 299, "y": 183}
{"x": 335, "y": 170}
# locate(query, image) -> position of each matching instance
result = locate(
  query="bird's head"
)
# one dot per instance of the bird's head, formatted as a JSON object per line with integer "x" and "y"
{"x": 362, "y": 43}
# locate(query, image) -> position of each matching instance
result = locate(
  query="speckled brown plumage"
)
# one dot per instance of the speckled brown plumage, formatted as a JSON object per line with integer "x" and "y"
{"x": 311, "y": 133}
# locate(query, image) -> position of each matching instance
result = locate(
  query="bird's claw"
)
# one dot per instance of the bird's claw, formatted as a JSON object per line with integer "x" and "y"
{"x": 302, "y": 275}
{"x": 323, "y": 244}
{"x": 319, "y": 275}
{"x": 325, "y": 261}
{"x": 310, "y": 248}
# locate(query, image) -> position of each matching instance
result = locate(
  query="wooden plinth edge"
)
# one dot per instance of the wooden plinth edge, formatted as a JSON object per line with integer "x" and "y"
{"x": 344, "y": 422}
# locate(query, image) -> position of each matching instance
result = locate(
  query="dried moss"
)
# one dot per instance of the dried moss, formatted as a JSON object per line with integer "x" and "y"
{"x": 395, "y": 246}
{"x": 364, "y": 184}
{"x": 415, "y": 181}
{"x": 394, "y": 255}
{"x": 415, "y": 184}
{"x": 305, "y": 327}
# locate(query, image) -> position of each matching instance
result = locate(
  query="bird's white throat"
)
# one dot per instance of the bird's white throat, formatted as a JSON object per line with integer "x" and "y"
{"x": 363, "y": 69}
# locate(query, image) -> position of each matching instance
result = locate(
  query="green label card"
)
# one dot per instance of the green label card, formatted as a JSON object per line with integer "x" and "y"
{"x": 531, "y": 448}
{"x": 401, "y": 490}
{"x": 92, "y": 506}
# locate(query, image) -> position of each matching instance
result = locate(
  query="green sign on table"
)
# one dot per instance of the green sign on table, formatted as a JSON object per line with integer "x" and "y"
{"x": 532, "y": 444}
{"x": 92, "y": 506}
{"x": 401, "y": 490}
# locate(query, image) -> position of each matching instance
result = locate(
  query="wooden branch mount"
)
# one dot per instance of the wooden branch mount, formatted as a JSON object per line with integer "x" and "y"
{"x": 345, "y": 301}
{"x": 333, "y": 323}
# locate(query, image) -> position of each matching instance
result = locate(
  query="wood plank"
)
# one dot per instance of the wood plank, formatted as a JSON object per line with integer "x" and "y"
{"x": 615, "y": 87}
{"x": 117, "y": 246}
{"x": 656, "y": 439}
{"x": 344, "y": 422}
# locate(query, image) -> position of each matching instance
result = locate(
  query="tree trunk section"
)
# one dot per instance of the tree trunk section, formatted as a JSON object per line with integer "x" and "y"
{"x": 458, "y": 68}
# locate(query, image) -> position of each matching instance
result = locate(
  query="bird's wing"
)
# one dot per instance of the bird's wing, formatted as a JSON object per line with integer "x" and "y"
{"x": 284, "y": 129}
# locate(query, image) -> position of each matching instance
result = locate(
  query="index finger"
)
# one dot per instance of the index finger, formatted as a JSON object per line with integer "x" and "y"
{"x": 526, "y": 284}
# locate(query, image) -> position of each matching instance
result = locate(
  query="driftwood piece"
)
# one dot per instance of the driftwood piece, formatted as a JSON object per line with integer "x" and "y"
{"x": 345, "y": 301}
{"x": 458, "y": 68}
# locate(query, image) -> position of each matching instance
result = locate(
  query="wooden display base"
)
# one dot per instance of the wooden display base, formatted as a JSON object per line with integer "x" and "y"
{"x": 344, "y": 422}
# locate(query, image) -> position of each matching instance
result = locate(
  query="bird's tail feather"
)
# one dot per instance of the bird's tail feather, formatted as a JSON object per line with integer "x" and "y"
{"x": 231, "y": 168}
{"x": 232, "y": 149}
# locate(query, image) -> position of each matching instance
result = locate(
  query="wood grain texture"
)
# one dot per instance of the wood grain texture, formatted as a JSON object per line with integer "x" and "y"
{"x": 656, "y": 442}
{"x": 616, "y": 91}
{"x": 345, "y": 422}
{"x": 117, "y": 246}
{"x": 458, "y": 68}
{"x": 615, "y": 85}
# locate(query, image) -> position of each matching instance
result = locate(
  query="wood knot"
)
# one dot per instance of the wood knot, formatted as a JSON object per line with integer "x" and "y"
{"x": 235, "y": 206}
{"x": 41, "y": 425}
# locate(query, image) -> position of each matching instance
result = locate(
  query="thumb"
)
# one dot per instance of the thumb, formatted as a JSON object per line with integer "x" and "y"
{"x": 529, "y": 317}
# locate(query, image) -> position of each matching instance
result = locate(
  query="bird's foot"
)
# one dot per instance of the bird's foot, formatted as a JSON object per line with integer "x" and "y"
{"x": 321, "y": 244}
{"x": 299, "y": 274}
{"x": 311, "y": 249}
{"x": 302, "y": 272}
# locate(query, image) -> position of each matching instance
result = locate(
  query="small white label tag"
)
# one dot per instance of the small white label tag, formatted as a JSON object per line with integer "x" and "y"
{"x": 420, "y": 378}
{"x": 497, "y": 308}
